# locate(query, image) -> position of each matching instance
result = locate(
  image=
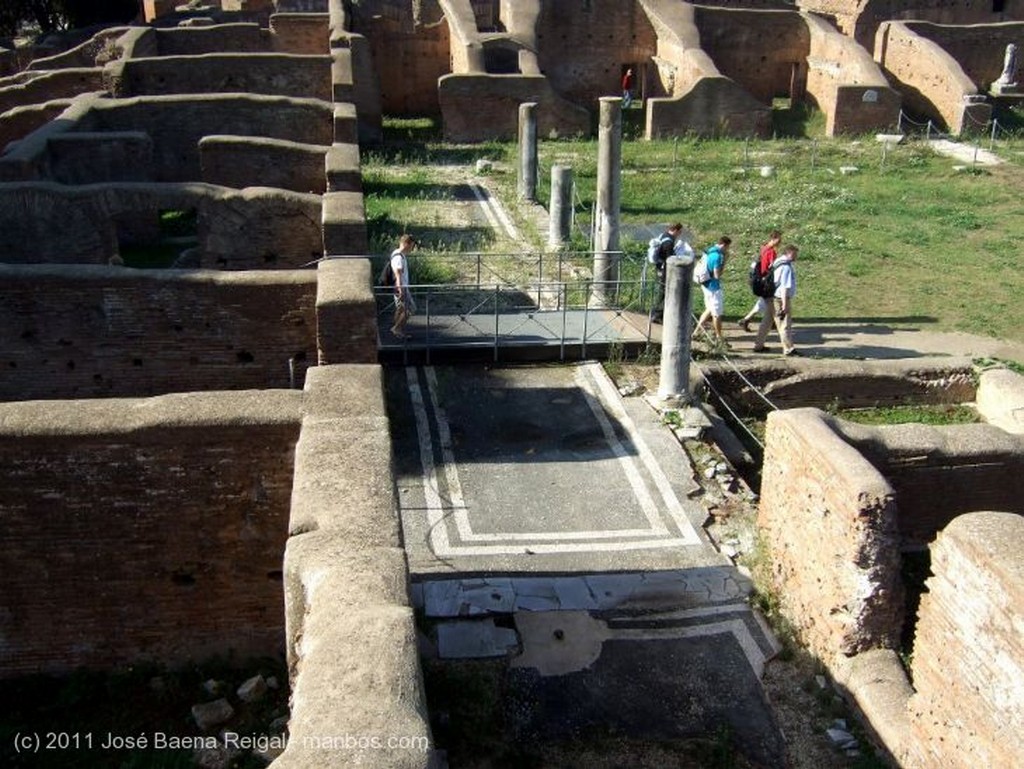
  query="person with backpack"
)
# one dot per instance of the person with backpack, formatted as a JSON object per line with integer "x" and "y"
{"x": 405, "y": 305}
{"x": 714, "y": 298}
{"x": 766, "y": 256}
{"x": 659, "y": 250}
{"x": 780, "y": 308}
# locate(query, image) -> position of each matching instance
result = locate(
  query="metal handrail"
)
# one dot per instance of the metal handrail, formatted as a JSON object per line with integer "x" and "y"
{"x": 626, "y": 296}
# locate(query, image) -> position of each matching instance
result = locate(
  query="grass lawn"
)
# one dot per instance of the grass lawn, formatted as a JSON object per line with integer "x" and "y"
{"x": 905, "y": 240}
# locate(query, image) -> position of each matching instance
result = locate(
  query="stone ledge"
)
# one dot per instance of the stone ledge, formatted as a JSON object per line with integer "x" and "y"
{"x": 1000, "y": 399}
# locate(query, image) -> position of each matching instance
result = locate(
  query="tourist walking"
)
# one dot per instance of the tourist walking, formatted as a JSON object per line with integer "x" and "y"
{"x": 766, "y": 256}
{"x": 665, "y": 249}
{"x": 714, "y": 298}
{"x": 405, "y": 305}
{"x": 780, "y": 309}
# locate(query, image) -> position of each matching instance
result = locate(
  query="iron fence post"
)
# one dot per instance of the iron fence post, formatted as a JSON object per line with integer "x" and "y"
{"x": 586, "y": 317}
{"x": 497, "y": 290}
{"x": 563, "y": 298}
{"x": 427, "y": 301}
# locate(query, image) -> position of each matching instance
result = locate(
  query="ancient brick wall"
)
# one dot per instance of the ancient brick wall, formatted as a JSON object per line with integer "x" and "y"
{"x": 301, "y": 33}
{"x": 275, "y": 74}
{"x": 48, "y": 86}
{"x": 93, "y": 158}
{"x": 409, "y": 55}
{"x": 846, "y": 84}
{"x": 829, "y": 520}
{"x": 583, "y": 47}
{"x": 968, "y": 663}
{"x": 90, "y": 53}
{"x": 254, "y": 228}
{"x": 177, "y": 123}
{"x": 235, "y": 161}
{"x": 760, "y": 50}
{"x": 483, "y": 107}
{"x": 933, "y": 84}
{"x": 87, "y": 332}
{"x": 143, "y": 529}
{"x": 854, "y": 384}
{"x": 220, "y": 38}
{"x": 876, "y": 12}
{"x": 19, "y": 122}
{"x": 939, "y": 473}
{"x": 979, "y": 49}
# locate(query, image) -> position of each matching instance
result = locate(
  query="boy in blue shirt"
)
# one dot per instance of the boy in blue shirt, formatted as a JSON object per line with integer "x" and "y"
{"x": 714, "y": 298}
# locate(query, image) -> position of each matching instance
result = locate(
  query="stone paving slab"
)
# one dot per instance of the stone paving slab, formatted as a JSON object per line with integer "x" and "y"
{"x": 538, "y": 470}
{"x": 474, "y": 640}
{"x": 698, "y": 587}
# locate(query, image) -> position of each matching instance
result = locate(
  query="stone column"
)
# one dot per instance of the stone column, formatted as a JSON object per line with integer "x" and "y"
{"x": 674, "y": 378}
{"x": 560, "y": 212}
{"x": 609, "y": 194}
{"x": 527, "y": 181}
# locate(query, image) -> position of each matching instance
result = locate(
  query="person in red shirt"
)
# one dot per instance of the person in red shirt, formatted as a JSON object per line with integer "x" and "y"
{"x": 627, "y": 88}
{"x": 768, "y": 253}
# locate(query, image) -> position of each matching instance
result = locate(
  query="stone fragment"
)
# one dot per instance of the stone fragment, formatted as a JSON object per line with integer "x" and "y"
{"x": 210, "y": 714}
{"x": 848, "y": 170}
{"x": 253, "y": 689}
{"x": 272, "y": 682}
{"x": 473, "y": 640}
{"x": 213, "y": 686}
{"x": 219, "y": 757}
{"x": 840, "y": 737}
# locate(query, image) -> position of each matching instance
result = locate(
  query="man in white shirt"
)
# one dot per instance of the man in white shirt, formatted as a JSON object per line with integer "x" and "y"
{"x": 404, "y": 303}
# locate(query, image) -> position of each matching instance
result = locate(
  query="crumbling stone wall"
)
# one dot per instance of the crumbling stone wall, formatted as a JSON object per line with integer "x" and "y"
{"x": 410, "y": 49}
{"x": 932, "y": 82}
{"x": 687, "y": 93}
{"x": 839, "y": 501}
{"x": 143, "y": 529}
{"x": 254, "y": 228}
{"x": 763, "y": 51}
{"x": 861, "y": 18}
{"x": 582, "y": 47}
{"x": 350, "y": 627}
{"x": 19, "y": 122}
{"x": 300, "y": 33}
{"x": 245, "y": 161}
{"x": 36, "y": 88}
{"x": 178, "y": 123}
{"x": 95, "y": 51}
{"x": 846, "y": 83}
{"x": 218, "y": 38}
{"x": 968, "y": 707}
{"x": 850, "y": 383}
{"x": 87, "y": 332}
{"x": 829, "y": 519}
{"x": 275, "y": 74}
{"x": 939, "y": 473}
{"x": 485, "y": 107}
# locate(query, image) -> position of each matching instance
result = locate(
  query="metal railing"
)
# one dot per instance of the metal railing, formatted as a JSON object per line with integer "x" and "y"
{"x": 510, "y": 312}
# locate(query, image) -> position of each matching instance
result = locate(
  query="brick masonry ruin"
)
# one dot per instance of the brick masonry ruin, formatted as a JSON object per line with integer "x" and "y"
{"x": 257, "y": 357}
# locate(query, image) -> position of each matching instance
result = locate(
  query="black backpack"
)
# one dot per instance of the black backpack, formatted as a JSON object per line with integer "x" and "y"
{"x": 762, "y": 284}
{"x": 387, "y": 276}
